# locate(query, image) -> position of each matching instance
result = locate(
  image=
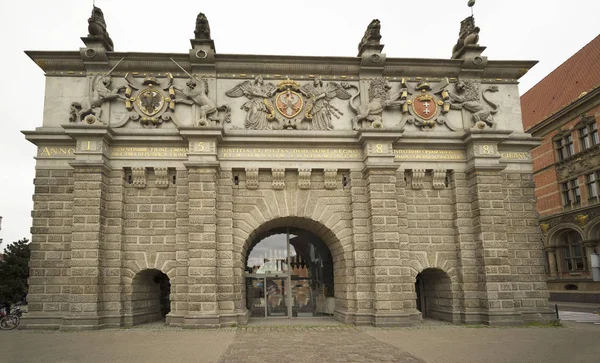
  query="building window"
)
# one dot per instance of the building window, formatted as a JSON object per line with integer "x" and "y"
{"x": 564, "y": 147}
{"x": 572, "y": 251}
{"x": 588, "y": 135}
{"x": 593, "y": 187}
{"x": 571, "y": 194}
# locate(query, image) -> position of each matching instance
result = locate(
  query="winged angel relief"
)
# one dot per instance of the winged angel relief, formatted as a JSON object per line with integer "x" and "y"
{"x": 259, "y": 108}
{"x": 319, "y": 108}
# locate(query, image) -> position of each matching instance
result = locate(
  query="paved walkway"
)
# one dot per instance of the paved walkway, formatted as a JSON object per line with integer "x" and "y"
{"x": 580, "y": 317}
{"x": 429, "y": 342}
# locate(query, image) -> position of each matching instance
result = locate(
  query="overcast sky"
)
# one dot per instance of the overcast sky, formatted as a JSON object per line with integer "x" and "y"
{"x": 549, "y": 31}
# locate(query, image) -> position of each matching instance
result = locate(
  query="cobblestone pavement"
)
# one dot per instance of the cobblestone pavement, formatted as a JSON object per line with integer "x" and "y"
{"x": 302, "y": 342}
{"x": 311, "y": 344}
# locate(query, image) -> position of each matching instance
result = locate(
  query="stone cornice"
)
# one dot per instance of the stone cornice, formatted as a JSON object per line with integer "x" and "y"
{"x": 71, "y": 63}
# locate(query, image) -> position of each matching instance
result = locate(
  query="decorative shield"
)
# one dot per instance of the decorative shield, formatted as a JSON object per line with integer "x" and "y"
{"x": 424, "y": 106}
{"x": 289, "y": 103}
{"x": 150, "y": 101}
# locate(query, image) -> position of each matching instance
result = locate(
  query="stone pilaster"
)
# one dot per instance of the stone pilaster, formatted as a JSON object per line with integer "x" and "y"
{"x": 202, "y": 248}
{"x": 179, "y": 288}
{"x": 384, "y": 240}
{"x": 88, "y": 239}
{"x": 112, "y": 255}
{"x": 550, "y": 253}
{"x": 363, "y": 259}
{"x": 468, "y": 260}
{"x": 228, "y": 298}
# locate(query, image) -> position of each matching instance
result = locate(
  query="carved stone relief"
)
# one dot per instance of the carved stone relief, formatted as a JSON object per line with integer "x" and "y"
{"x": 206, "y": 110}
{"x": 150, "y": 102}
{"x": 252, "y": 178}
{"x": 278, "y": 178}
{"x": 90, "y": 110}
{"x": 585, "y": 161}
{"x": 428, "y": 105}
{"x": 370, "y": 114}
{"x": 289, "y": 106}
{"x": 468, "y": 97}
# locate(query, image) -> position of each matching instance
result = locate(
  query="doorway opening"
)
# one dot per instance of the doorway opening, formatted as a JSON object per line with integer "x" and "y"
{"x": 434, "y": 294}
{"x": 150, "y": 299}
{"x": 289, "y": 273}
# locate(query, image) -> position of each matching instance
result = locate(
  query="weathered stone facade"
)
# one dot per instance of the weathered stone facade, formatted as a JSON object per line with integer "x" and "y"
{"x": 446, "y": 202}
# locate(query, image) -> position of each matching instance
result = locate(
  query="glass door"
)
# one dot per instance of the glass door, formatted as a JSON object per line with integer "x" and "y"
{"x": 276, "y": 296}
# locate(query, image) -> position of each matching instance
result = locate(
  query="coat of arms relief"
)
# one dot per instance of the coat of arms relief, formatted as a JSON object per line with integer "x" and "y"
{"x": 288, "y": 105}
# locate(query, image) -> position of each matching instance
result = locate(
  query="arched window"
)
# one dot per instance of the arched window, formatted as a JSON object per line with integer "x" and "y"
{"x": 573, "y": 251}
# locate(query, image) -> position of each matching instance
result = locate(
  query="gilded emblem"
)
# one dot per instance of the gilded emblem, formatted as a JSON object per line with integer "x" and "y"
{"x": 150, "y": 101}
{"x": 424, "y": 106}
{"x": 289, "y": 103}
{"x": 429, "y": 105}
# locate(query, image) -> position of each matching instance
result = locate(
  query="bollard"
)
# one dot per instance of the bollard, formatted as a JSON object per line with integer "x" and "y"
{"x": 556, "y": 310}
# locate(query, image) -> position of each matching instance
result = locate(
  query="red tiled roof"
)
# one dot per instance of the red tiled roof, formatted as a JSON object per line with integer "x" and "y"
{"x": 562, "y": 86}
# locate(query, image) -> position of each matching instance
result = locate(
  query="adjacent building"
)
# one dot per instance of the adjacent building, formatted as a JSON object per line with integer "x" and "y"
{"x": 564, "y": 110}
{"x": 207, "y": 189}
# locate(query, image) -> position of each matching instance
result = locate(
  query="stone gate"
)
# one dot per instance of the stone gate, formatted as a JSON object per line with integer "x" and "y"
{"x": 157, "y": 176}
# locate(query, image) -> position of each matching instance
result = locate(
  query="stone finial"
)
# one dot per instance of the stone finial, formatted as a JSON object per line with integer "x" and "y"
{"x": 202, "y": 27}
{"x": 468, "y": 38}
{"x": 372, "y": 38}
{"x": 97, "y": 33}
{"x": 202, "y": 34}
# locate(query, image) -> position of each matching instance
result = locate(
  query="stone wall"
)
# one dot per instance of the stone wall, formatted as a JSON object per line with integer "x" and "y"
{"x": 49, "y": 284}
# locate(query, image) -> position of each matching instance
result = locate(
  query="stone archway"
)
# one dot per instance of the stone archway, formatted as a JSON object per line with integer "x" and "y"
{"x": 150, "y": 297}
{"x": 343, "y": 293}
{"x": 433, "y": 289}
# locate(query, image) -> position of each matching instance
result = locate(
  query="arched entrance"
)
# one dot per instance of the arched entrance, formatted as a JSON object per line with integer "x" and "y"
{"x": 434, "y": 294}
{"x": 150, "y": 298}
{"x": 289, "y": 273}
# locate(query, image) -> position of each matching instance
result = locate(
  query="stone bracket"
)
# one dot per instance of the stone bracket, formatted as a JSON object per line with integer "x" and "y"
{"x": 439, "y": 179}
{"x": 252, "y": 178}
{"x": 162, "y": 177}
{"x": 418, "y": 175}
{"x": 138, "y": 176}
{"x": 330, "y": 176}
{"x": 304, "y": 178}
{"x": 278, "y": 178}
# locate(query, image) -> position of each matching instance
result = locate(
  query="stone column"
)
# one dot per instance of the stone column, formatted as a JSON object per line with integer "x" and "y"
{"x": 551, "y": 262}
